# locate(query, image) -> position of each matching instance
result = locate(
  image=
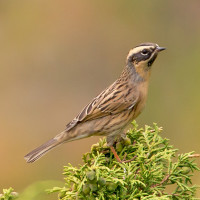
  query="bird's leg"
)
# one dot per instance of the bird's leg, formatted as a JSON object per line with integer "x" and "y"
{"x": 123, "y": 136}
{"x": 115, "y": 154}
{"x": 126, "y": 139}
{"x": 110, "y": 141}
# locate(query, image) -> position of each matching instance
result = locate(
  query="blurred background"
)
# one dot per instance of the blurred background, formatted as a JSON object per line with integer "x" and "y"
{"x": 57, "y": 55}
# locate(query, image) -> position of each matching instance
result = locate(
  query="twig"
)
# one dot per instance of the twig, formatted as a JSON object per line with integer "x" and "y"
{"x": 127, "y": 161}
{"x": 124, "y": 157}
{"x": 164, "y": 180}
{"x": 105, "y": 151}
{"x": 194, "y": 156}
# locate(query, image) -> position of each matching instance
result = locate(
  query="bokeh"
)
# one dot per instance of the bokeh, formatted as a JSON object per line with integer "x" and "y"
{"x": 57, "y": 55}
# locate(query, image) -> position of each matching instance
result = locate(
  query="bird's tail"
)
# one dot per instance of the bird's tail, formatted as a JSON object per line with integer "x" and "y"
{"x": 41, "y": 150}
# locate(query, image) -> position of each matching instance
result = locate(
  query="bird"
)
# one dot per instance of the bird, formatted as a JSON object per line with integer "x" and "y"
{"x": 110, "y": 112}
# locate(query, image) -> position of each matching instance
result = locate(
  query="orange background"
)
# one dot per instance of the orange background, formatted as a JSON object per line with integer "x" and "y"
{"x": 57, "y": 55}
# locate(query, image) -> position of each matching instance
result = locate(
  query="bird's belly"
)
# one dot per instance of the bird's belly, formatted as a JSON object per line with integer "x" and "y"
{"x": 108, "y": 125}
{"x": 115, "y": 123}
{"x": 139, "y": 109}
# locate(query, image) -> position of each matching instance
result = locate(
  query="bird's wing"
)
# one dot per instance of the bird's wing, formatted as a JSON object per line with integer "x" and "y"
{"x": 113, "y": 100}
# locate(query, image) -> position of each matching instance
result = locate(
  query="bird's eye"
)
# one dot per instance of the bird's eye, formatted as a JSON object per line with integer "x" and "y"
{"x": 144, "y": 52}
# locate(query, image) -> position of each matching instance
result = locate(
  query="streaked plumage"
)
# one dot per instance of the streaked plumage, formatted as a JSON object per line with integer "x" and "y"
{"x": 113, "y": 109}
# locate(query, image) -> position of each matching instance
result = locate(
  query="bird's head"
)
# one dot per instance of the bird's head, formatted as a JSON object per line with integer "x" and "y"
{"x": 142, "y": 57}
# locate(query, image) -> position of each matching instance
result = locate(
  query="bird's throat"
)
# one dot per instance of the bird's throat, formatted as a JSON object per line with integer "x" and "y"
{"x": 142, "y": 71}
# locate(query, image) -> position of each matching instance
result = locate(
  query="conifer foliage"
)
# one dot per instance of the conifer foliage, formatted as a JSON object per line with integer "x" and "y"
{"x": 149, "y": 166}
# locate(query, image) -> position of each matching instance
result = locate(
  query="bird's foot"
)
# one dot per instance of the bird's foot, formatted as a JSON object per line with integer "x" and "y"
{"x": 118, "y": 158}
{"x": 115, "y": 154}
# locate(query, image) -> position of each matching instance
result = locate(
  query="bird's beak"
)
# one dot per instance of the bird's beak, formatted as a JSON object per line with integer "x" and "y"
{"x": 160, "y": 49}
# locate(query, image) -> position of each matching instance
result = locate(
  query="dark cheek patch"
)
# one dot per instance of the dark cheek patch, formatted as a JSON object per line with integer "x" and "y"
{"x": 139, "y": 57}
{"x": 152, "y": 60}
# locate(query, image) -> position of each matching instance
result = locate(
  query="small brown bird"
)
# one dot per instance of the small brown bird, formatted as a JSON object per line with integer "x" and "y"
{"x": 114, "y": 108}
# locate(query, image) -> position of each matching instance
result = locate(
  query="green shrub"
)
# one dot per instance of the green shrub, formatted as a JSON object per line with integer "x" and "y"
{"x": 8, "y": 194}
{"x": 150, "y": 165}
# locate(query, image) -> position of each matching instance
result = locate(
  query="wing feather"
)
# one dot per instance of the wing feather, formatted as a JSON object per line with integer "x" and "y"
{"x": 113, "y": 100}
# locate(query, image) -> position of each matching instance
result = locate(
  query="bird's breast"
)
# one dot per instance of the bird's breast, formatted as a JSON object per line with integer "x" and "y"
{"x": 142, "y": 91}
